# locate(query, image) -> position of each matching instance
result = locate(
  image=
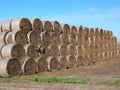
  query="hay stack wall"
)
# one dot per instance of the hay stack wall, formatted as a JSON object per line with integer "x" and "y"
{"x": 41, "y": 45}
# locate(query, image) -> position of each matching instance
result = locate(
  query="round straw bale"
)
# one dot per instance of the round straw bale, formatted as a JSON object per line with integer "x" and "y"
{"x": 71, "y": 61}
{"x": 80, "y": 30}
{"x": 2, "y": 37}
{"x": 97, "y": 32}
{"x": 64, "y": 39}
{"x": 101, "y": 32}
{"x": 13, "y": 50}
{"x": 9, "y": 67}
{"x": 78, "y": 60}
{"x": 54, "y": 38}
{"x": 96, "y": 40}
{"x": 29, "y": 66}
{"x": 79, "y": 49}
{"x": 72, "y": 49}
{"x": 114, "y": 39}
{"x": 95, "y": 57}
{"x": 45, "y": 38}
{"x": 79, "y": 39}
{"x": 0, "y": 27}
{"x": 66, "y": 29}
{"x": 86, "y": 32}
{"x": 42, "y": 64}
{"x": 91, "y": 59}
{"x": 62, "y": 62}
{"x": 73, "y": 30}
{"x": 91, "y": 40}
{"x": 1, "y": 46}
{"x": 91, "y": 32}
{"x": 6, "y": 25}
{"x": 57, "y": 27}
{"x": 30, "y": 50}
{"x": 109, "y": 33}
{"x": 85, "y": 40}
{"x": 47, "y": 26}
{"x": 16, "y": 37}
{"x": 36, "y": 24}
{"x": 22, "y": 24}
{"x": 85, "y": 60}
{"x": 72, "y": 39}
{"x": 54, "y": 50}
{"x": 34, "y": 38}
{"x": 63, "y": 49}
{"x": 43, "y": 51}
{"x": 52, "y": 63}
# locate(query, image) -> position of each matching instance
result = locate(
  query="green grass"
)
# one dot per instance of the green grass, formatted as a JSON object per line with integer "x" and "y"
{"x": 48, "y": 80}
{"x": 61, "y": 80}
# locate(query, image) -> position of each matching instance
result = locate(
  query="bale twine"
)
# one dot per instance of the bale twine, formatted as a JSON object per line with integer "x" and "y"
{"x": 41, "y": 64}
{"x": 55, "y": 38}
{"x": 78, "y": 60}
{"x": 66, "y": 29}
{"x": 63, "y": 64}
{"x": 72, "y": 39}
{"x": 63, "y": 49}
{"x": 30, "y": 50}
{"x": 64, "y": 39}
{"x": 13, "y": 50}
{"x": 29, "y": 66}
{"x": 2, "y": 37}
{"x": 79, "y": 39}
{"x": 53, "y": 50}
{"x": 71, "y": 61}
{"x": 45, "y": 38}
{"x": 6, "y": 25}
{"x": 36, "y": 24}
{"x": 71, "y": 49}
{"x": 34, "y": 38}
{"x": 47, "y": 26}
{"x": 9, "y": 67}
{"x": 73, "y": 30}
{"x": 16, "y": 37}
{"x": 52, "y": 63}
{"x": 22, "y": 24}
{"x": 56, "y": 27}
{"x": 43, "y": 51}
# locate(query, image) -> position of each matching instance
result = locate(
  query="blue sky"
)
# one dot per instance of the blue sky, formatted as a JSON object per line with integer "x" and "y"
{"x": 91, "y": 13}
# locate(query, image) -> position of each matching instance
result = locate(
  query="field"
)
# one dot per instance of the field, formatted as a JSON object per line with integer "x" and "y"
{"x": 101, "y": 76}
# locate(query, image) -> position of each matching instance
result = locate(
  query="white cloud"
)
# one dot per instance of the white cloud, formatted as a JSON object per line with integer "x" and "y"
{"x": 116, "y": 9}
{"x": 92, "y": 9}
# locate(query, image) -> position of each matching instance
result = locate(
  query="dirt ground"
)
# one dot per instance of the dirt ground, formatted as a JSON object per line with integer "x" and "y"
{"x": 102, "y": 70}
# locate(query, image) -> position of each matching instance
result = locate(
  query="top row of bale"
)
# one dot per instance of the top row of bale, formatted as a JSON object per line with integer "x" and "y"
{"x": 26, "y": 25}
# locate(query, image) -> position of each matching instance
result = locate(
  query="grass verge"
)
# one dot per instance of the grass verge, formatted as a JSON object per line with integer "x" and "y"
{"x": 61, "y": 80}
